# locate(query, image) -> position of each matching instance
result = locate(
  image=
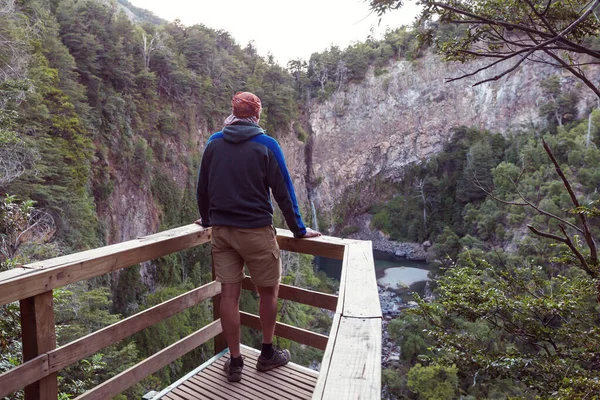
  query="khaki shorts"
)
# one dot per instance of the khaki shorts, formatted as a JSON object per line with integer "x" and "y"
{"x": 256, "y": 247}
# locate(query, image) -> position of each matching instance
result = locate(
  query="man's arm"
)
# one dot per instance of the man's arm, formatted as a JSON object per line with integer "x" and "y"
{"x": 202, "y": 189}
{"x": 281, "y": 185}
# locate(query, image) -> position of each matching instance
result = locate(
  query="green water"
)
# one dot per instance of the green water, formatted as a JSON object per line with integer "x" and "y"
{"x": 382, "y": 260}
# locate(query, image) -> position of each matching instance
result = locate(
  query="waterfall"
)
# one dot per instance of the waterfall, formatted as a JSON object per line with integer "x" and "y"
{"x": 315, "y": 221}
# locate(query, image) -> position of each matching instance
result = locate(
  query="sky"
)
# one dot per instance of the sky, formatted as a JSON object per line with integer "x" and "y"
{"x": 287, "y": 29}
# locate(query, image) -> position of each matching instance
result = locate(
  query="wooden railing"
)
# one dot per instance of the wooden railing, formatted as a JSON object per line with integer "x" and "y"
{"x": 351, "y": 366}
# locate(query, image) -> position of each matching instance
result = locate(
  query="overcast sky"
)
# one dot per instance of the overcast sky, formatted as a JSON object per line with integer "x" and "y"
{"x": 287, "y": 29}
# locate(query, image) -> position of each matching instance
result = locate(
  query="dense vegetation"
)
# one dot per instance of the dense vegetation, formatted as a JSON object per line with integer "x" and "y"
{"x": 515, "y": 314}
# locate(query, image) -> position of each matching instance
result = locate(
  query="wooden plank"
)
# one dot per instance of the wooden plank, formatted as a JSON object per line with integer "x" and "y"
{"x": 135, "y": 374}
{"x": 187, "y": 376}
{"x": 342, "y": 288}
{"x": 39, "y": 337}
{"x": 275, "y": 388}
{"x": 57, "y": 272}
{"x": 325, "y": 246}
{"x": 172, "y": 396}
{"x": 276, "y": 375}
{"x": 191, "y": 394}
{"x": 299, "y": 295}
{"x": 249, "y": 385}
{"x": 355, "y": 368}
{"x": 360, "y": 295}
{"x": 23, "y": 375}
{"x": 15, "y": 272}
{"x": 326, "y": 361}
{"x": 287, "y": 331}
{"x": 200, "y": 391}
{"x": 219, "y": 377}
{"x": 88, "y": 345}
{"x": 283, "y": 374}
{"x": 221, "y": 388}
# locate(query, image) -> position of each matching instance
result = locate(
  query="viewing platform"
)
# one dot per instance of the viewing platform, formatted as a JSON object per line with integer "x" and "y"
{"x": 351, "y": 364}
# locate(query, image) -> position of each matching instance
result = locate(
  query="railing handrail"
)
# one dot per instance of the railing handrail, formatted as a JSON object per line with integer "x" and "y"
{"x": 32, "y": 279}
{"x": 32, "y": 284}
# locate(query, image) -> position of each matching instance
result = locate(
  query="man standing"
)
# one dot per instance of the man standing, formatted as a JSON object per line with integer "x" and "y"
{"x": 239, "y": 166}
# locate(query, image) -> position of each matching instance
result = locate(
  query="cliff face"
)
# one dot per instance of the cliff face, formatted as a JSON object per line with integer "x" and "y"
{"x": 364, "y": 134}
{"x": 375, "y": 128}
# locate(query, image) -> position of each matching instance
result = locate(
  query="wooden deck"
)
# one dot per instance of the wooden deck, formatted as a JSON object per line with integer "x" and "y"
{"x": 290, "y": 382}
{"x": 350, "y": 368}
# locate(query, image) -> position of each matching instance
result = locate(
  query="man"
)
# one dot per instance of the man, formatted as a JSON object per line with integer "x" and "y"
{"x": 239, "y": 166}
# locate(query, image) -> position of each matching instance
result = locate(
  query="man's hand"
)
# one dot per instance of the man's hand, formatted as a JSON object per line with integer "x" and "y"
{"x": 311, "y": 233}
{"x": 198, "y": 221}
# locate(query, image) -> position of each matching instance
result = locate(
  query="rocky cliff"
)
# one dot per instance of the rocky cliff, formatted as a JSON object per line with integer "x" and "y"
{"x": 369, "y": 131}
{"x": 364, "y": 134}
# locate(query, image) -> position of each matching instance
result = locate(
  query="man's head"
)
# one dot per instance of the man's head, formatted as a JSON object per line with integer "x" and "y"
{"x": 246, "y": 105}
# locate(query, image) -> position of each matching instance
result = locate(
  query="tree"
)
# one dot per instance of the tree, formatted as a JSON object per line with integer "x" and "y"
{"x": 434, "y": 382}
{"x": 560, "y": 106}
{"x": 16, "y": 157}
{"x": 21, "y": 223}
{"x": 14, "y": 38}
{"x": 517, "y": 323}
{"x": 506, "y": 34}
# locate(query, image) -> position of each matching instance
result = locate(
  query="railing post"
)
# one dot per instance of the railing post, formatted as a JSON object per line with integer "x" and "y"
{"x": 39, "y": 337}
{"x": 219, "y": 341}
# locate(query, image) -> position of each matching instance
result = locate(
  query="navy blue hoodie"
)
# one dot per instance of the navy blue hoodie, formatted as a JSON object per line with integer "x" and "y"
{"x": 239, "y": 166}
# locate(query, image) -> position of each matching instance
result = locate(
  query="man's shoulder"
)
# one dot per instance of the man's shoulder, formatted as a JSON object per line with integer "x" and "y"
{"x": 215, "y": 136}
{"x": 267, "y": 141}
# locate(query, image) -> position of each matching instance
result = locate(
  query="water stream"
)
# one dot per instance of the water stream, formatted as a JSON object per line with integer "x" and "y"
{"x": 395, "y": 273}
{"x": 315, "y": 221}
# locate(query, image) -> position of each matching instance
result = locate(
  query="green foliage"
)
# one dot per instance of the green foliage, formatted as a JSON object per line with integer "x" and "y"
{"x": 331, "y": 70}
{"x": 559, "y": 108}
{"x": 543, "y": 326}
{"x": 562, "y": 31}
{"x": 159, "y": 336}
{"x": 168, "y": 194}
{"x": 300, "y": 273}
{"x": 515, "y": 314}
{"x": 10, "y": 337}
{"x": 442, "y": 190}
{"x": 434, "y": 382}
{"x": 407, "y": 331}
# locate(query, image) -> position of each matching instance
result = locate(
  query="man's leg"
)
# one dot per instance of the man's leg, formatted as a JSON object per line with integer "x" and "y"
{"x": 230, "y": 316}
{"x": 269, "y": 358}
{"x": 268, "y": 311}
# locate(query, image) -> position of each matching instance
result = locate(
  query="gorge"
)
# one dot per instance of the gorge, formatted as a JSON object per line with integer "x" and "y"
{"x": 107, "y": 108}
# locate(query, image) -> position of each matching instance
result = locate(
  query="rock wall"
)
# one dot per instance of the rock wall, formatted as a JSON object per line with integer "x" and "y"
{"x": 380, "y": 125}
{"x": 368, "y": 130}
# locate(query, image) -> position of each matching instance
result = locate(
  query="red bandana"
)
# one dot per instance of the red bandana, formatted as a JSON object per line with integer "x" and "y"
{"x": 245, "y": 104}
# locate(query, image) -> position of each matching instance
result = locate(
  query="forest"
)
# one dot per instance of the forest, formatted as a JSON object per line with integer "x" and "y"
{"x": 89, "y": 97}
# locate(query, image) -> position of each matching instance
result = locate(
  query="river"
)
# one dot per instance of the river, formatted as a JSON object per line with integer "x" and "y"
{"x": 394, "y": 273}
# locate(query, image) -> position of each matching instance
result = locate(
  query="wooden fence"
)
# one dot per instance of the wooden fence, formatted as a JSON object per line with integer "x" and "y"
{"x": 351, "y": 366}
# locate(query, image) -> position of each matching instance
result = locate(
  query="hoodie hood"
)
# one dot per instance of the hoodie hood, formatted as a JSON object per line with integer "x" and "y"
{"x": 241, "y": 131}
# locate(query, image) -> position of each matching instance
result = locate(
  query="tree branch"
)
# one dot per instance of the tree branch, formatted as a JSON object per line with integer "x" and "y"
{"x": 586, "y": 229}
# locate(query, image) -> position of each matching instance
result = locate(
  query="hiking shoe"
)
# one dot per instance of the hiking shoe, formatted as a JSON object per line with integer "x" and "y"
{"x": 280, "y": 358}
{"x": 234, "y": 374}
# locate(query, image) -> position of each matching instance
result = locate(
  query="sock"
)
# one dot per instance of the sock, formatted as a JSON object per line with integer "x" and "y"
{"x": 237, "y": 362}
{"x": 267, "y": 350}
